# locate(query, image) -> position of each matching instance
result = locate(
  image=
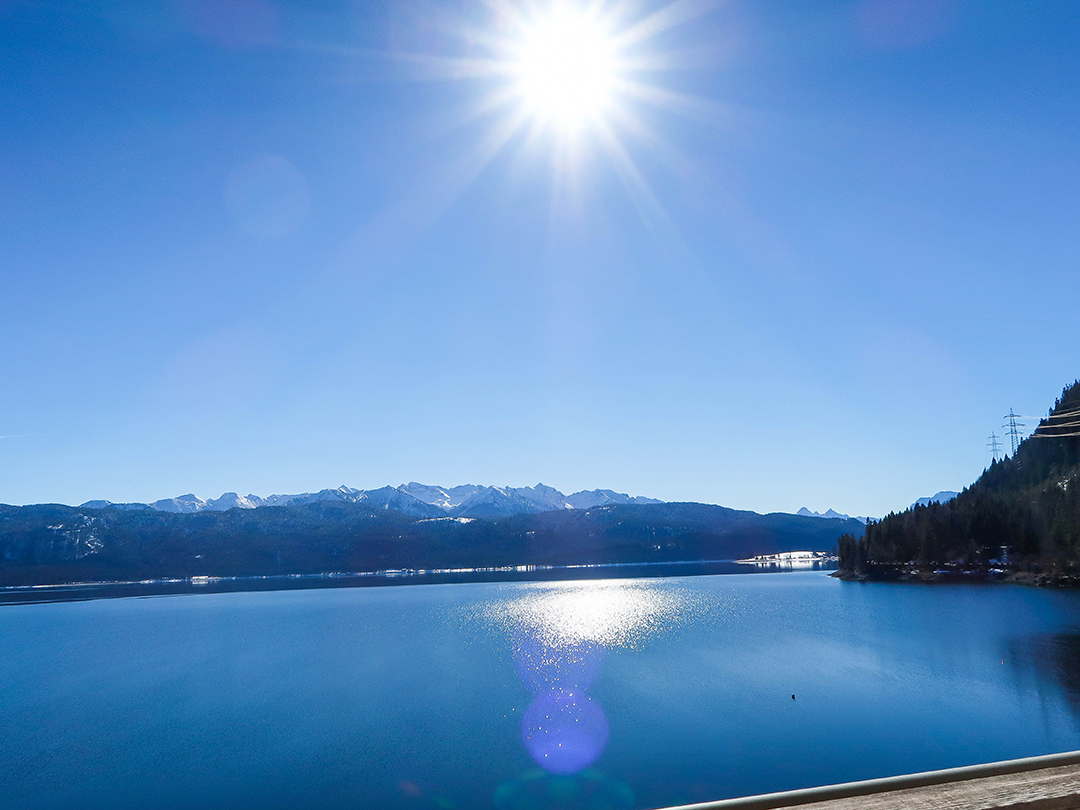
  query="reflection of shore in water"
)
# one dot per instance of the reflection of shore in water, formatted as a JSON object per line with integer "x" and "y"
{"x": 1052, "y": 657}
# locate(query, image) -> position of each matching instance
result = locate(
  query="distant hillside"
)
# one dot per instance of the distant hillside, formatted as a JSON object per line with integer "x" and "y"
{"x": 54, "y": 544}
{"x": 940, "y": 497}
{"x": 1023, "y": 512}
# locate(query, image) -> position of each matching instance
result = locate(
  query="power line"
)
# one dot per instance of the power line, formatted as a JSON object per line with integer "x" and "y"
{"x": 1059, "y": 425}
{"x": 1064, "y": 419}
{"x": 993, "y": 445}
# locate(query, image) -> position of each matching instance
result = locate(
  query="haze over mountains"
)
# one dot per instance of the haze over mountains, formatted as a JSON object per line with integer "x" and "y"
{"x": 415, "y": 499}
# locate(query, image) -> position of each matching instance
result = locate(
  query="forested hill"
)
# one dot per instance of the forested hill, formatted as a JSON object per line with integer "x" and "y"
{"x": 1023, "y": 513}
{"x": 55, "y": 544}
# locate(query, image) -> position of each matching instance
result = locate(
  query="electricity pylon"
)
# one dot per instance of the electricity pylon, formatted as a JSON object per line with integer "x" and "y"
{"x": 1013, "y": 427}
{"x": 993, "y": 445}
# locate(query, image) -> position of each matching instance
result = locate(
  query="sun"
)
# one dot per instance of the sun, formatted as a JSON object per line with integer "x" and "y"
{"x": 571, "y": 83}
{"x": 565, "y": 68}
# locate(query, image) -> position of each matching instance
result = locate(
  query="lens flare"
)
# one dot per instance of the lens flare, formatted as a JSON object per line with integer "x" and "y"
{"x": 564, "y": 732}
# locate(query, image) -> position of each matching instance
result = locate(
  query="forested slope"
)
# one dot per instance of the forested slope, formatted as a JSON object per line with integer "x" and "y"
{"x": 1023, "y": 513}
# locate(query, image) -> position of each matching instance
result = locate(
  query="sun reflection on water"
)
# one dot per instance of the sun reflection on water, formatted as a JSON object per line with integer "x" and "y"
{"x": 608, "y": 614}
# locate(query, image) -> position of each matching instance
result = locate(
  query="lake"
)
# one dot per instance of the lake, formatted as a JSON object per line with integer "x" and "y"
{"x": 621, "y": 693}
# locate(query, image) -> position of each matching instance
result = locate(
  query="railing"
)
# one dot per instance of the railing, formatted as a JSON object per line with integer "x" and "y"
{"x": 870, "y": 787}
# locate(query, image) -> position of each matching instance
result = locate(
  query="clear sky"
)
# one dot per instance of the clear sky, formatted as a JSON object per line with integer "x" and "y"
{"x": 785, "y": 254}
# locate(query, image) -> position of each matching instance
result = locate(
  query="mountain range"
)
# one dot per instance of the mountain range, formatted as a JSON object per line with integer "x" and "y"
{"x": 940, "y": 497}
{"x": 413, "y": 499}
{"x": 428, "y": 501}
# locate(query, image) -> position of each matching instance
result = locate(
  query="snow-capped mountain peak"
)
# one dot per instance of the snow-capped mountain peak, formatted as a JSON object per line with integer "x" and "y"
{"x": 230, "y": 500}
{"x": 181, "y": 503}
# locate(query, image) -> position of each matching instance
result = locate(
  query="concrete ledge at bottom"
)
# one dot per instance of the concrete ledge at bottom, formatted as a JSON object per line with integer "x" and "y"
{"x": 1036, "y": 783}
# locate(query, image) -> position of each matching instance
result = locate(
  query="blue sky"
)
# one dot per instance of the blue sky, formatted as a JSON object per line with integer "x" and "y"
{"x": 264, "y": 246}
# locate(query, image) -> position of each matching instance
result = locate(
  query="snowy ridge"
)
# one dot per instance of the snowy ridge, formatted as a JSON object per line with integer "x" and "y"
{"x": 604, "y": 497}
{"x": 940, "y": 497}
{"x": 415, "y": 499}
{"x": 830, "y": 513}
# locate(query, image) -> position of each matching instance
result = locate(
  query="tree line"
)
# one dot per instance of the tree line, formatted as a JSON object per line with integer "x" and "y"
{"x": 1023, "y": 511}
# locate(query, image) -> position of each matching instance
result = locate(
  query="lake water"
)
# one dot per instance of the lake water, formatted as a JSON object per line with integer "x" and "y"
{"x": 628, "y": 693}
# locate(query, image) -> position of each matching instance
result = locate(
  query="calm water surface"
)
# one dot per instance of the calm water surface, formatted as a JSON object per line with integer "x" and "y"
{"x": 606, "y": 694}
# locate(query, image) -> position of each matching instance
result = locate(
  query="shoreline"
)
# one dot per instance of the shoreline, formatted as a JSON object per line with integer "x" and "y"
{"x": 933, "y": 576}
{"x": 179, "y": 586}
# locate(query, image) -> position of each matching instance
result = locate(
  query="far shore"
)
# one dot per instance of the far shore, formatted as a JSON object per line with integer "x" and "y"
{"x": 83, "y": 591}
{"x": 938, "y": 574}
